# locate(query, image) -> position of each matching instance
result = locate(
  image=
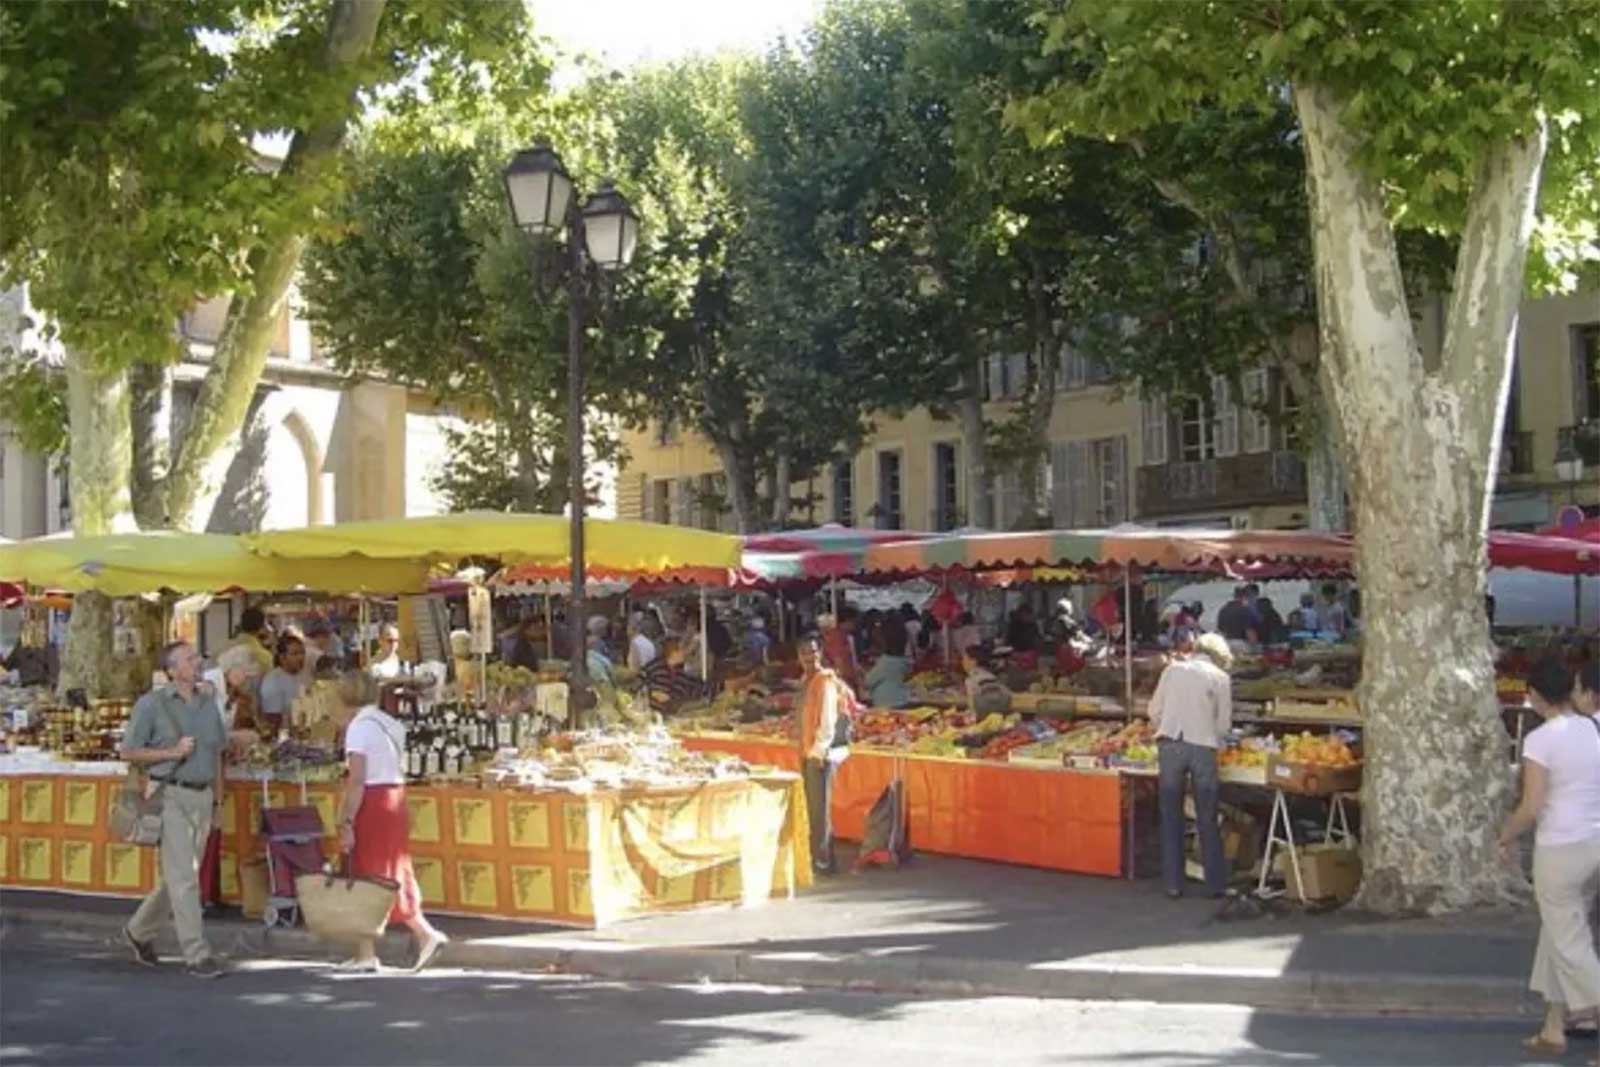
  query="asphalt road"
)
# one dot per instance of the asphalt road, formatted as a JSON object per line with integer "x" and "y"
{"x": 64, "y": 1003}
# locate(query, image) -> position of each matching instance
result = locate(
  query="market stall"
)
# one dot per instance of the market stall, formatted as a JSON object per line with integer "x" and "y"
{"x": 512, "y": 814}
{"x": 579, "y": 852}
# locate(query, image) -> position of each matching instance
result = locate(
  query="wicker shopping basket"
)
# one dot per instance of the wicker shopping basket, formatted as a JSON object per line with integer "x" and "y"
{"x": 345, "y": 908}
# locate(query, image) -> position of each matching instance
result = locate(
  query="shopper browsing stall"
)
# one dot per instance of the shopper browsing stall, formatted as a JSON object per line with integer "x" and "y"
{"x": 1190, "y": 713}
{"x": 1561, "y": 797}
{"x": 374, "y": 827}
{"x": 886, "y": 679}
{"x": 986, "y": 694}
{"x": 387, "y": 666}
{"x": 254, "y": 635}
{"x": 824, "y": 699}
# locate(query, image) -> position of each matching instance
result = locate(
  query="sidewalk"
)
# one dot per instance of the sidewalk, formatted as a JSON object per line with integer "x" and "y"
{"x": 956, "y": 927}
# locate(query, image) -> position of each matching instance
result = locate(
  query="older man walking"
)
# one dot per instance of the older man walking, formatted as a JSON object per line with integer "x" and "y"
{"x": 176, "y": 732}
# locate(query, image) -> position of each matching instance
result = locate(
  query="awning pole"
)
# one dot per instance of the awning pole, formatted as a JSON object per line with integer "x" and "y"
{"x": 549, "y": 626}
{"x": 705, "y": 650}
{"x": 1127, "y": 636}
{"x": 783, "y": 624}
{"x": 833, "y": 584}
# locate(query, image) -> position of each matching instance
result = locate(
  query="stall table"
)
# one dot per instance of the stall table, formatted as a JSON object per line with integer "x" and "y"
{"x": 545, "y": 855}
{"x": 1056, "y": 818}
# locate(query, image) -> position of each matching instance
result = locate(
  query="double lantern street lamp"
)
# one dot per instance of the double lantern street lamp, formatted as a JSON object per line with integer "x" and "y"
{"x": 603, "y": 233}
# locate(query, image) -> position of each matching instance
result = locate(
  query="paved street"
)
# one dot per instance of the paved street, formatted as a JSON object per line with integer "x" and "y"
{"x": 67, "y": 1004}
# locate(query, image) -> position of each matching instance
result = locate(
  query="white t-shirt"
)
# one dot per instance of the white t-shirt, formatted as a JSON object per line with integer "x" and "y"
{"x": 380, "y": 738}
{"x": 1568, "y": 747}
{"x": 386, "y": 669}
{"x": 641, "y": 650}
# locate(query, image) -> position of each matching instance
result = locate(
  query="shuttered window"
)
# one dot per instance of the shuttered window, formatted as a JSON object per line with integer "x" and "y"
{"x": 1255, "y": 426}
{"x": 1225, "y": 419}
{"x": 1154, "y": 428}
{"x": 1089, "y": 482}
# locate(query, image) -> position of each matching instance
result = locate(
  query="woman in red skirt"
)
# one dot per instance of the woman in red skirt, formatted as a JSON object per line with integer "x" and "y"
{"x": 374, "y": 825}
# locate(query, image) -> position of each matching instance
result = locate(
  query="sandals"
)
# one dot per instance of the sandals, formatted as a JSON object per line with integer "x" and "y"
{"x": 428, "y": 951}
{"x": 357, "y": 965}
{"x": 1540, "y": 1047}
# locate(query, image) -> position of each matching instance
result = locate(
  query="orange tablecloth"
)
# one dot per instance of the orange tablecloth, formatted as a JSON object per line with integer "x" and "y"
{"x": 1058, "y": 819}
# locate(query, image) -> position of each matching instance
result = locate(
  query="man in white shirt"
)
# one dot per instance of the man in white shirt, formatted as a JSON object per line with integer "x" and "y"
{"x": 1190, "y": 713}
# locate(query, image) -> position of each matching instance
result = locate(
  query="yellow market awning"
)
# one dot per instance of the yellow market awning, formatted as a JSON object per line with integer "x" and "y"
{"x": 135, "y": 563}
{"x": 640, "y": 548}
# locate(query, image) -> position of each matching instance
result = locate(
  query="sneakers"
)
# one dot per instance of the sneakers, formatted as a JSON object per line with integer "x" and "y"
{"x": 206, "y": 968}
{"x": 144, "y": 953}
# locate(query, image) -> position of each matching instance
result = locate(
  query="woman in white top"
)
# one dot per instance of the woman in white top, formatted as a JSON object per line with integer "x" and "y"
{"x": 1561, "y": 796}
{"x": 374, "y": 826}
{"x": 641, "y": 650}
{"x": 387, "y": 666}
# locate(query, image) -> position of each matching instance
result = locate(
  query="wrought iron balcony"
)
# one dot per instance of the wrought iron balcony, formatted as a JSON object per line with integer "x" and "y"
{"x": 1228, "y": 482}
{"x": 1584, "y": 437}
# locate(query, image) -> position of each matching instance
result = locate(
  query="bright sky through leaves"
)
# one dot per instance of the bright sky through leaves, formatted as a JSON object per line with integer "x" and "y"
{"x": 627, "y": 32}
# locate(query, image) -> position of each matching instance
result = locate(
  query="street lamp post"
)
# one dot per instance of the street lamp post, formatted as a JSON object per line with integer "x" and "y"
{"x": 604, "y": 232}
{"x": 1569, "y": 469}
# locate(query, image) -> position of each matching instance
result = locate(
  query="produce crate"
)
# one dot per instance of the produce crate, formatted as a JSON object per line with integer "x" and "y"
{"x": 1311, "y": 779}
{"x": 1296, "y": 709}
{"x": 1241, "y": 775}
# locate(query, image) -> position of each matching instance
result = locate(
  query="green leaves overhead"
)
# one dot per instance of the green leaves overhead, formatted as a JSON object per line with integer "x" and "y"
{"x": 135, "y": 179}
{"x": 1429, "y": 87}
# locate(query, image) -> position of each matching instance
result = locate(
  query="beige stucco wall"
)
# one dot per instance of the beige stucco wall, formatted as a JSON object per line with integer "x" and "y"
{"x": 1546, "y": 403}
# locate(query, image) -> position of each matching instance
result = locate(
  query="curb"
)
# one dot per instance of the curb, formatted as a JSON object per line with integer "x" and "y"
{"x": 1322, "y": 993}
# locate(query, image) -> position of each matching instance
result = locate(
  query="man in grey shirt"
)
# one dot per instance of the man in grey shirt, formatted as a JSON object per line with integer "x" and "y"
{"x": 282, "y": 685}
{"x": 176, "y": 734}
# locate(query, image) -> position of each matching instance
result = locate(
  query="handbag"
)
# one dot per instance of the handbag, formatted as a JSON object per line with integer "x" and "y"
{"x": 345, "y": 908}
{"x": 135, "y": 814}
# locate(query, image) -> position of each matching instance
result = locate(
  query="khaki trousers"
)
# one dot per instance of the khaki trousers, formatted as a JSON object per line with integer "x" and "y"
{"x": 1566, "y": 968}
{"x": 185, "y": 824}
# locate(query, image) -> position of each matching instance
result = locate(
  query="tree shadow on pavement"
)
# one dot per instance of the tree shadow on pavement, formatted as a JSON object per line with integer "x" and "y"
{"x": 98, "y": 1008}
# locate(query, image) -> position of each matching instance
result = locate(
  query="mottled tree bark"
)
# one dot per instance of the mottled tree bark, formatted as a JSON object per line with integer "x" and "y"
{"x": 150, "y": 385}
{"x": 241, "y": 353}
{"x": 1422, "y": 454}
{"x": 100, "y": 459}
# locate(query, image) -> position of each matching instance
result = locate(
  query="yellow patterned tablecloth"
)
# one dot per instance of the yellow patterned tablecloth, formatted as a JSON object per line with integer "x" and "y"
{"x": 545, "y": 855}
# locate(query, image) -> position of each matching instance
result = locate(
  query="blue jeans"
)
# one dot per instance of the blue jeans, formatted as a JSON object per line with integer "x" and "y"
{"x": 1178, "y": 759}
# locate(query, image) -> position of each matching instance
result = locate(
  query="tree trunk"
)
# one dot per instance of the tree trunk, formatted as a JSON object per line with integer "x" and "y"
{"x": 530, "y": 497}
{"x": 975, "y": 447}
{"x": 241, "y": 353}
{"x": 782, "y": 481}
{"x": 741, "y": 471}
{"x": 151, "y": 387}
{"x": 100, "y": 458}
{"x": 1325, "y": 483}
{"x": 1422, "y": 445}
{"x": 1037, "y": 410}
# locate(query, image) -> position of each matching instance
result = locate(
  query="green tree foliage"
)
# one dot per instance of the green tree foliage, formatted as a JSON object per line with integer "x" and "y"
{"x": 427, "y": 282}
{"x": 135, "y": 187}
